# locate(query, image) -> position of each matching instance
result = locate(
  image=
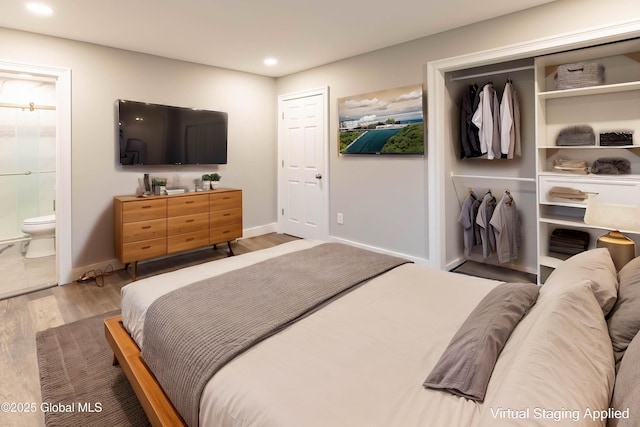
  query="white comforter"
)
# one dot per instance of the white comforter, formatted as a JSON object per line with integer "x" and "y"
{"x": 361, "y": 360}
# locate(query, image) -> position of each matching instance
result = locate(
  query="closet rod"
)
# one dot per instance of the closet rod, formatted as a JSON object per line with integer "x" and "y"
{"x": 492, "y": 73}
{"x": 499, "y": 178}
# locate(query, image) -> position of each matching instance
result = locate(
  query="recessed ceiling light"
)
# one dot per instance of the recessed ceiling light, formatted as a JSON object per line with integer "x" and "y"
{"x": 270, "y": 61}
{"x": 39, "y": 9}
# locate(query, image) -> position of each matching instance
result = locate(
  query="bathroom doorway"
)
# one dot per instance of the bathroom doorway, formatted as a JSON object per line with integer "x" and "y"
{"x": 34, "y": 191}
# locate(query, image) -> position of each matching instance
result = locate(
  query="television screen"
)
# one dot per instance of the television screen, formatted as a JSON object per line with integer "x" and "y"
{"x": 152, "y": 134}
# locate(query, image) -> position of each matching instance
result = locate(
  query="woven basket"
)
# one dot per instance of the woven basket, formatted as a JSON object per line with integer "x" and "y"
{"x": 581, "y": 74}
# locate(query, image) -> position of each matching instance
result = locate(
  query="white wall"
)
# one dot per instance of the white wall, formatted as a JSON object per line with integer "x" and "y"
{"x": 391, "y": 213}
{"x": 384, "y": 200}
{"x": 99, "y": 77}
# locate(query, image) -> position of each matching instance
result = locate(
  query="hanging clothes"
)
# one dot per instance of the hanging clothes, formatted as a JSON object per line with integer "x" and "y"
{"x": 510, "y": 144}
{"x": 506, "y": 223}
{"x": 487, "y": 232}
{"x": 467, "y": 219}
{"x": 469, "y": 138}
{"x": 487, "y": 118}
{"x": 506, "y": 121}
{"x": 515, "y": 149}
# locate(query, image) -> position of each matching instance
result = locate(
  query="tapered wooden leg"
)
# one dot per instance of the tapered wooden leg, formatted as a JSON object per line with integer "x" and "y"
{"x": 230, "y": 250}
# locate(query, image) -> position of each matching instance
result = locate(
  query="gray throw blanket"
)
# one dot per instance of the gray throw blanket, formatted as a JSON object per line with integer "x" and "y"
{"x": 192, "y": 332}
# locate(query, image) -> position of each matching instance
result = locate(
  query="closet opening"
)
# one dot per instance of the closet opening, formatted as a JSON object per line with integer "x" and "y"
{"x": 543, "y": 113}
{"x": 482, "y": 160}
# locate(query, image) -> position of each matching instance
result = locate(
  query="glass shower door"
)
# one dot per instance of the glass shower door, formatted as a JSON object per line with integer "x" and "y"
{"x": 27, "y": 167}
{"x": 27, "y": 190}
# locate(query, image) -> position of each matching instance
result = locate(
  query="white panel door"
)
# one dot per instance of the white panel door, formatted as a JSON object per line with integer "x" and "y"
{"x": 303, "y": 184}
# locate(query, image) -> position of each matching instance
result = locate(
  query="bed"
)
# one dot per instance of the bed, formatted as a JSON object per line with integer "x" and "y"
{"x": 364, "y": 358}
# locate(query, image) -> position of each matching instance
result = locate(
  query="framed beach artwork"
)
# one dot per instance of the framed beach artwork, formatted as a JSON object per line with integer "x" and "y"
{"x": 384, "y": 122}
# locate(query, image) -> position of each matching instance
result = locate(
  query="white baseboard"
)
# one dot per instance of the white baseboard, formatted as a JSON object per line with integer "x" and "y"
{"x": 260, "y": 230}
{"x": 117, "y": 265}
{"x": 417, "y": 260}
{"x": 79, "y": 271}
{"x": 248, "y": 233}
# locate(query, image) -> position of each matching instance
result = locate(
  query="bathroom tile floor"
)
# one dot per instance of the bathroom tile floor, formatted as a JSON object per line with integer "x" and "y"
{"x": 19, "y": 275}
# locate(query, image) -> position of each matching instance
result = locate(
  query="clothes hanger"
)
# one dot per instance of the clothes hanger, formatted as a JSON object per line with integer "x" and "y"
{"x": 491, "y": 201}
{"x": 508, "y": 194}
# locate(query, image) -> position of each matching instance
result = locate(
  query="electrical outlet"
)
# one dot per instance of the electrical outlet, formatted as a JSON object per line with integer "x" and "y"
{"x": 340, "y": 218}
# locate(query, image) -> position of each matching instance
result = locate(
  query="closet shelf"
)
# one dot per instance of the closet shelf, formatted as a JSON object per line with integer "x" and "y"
{"x": 576, "y": 222}
{"x": 591, "y": 90}
{"x": 625, "y": 177}
{"x": 564, "y": 204}
{"x": 550, "y": 261}
{"x": 494, "y": 177}
{"x": 492, "y": 73}
{"x": 587, "y": 147}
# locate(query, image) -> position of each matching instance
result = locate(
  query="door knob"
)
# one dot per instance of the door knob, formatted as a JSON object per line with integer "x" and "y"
{"x": 318, "y": 176}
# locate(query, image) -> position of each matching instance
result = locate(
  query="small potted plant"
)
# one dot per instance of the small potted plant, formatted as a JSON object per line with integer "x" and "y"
{"x": 206, "y": 182}
{"x": 159, "y": 185}
{"x": 215, "y": 180}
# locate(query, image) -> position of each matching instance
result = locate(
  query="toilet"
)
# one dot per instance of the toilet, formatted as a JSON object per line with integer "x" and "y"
{"x": 42, "y": 230}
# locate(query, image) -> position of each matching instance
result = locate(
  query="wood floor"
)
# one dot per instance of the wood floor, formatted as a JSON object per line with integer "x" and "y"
{"x": 19, "y": 274}
{"x": 23, "y": 316}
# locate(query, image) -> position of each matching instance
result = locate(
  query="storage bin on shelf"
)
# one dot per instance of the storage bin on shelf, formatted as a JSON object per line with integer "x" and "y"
{"x": 581, "y": 74}
{"x": 612, "y": 215}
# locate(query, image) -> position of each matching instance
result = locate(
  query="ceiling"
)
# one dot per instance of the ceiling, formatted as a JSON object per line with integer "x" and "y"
{"x": 240, "y": 34}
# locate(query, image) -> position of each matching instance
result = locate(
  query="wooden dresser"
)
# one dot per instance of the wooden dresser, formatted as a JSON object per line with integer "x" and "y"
{"x": 149, "y": 227}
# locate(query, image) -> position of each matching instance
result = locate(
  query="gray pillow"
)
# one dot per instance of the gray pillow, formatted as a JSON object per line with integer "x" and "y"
{"x": 624, "y": 318}
{"x": 466, "y": 365}
{"x": 626, "y": 392}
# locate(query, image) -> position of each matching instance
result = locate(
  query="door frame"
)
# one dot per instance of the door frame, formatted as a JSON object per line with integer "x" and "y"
{"x": 63, "y": 239}
{"x": 324, "y": 92}
{"x": 438, "y": 123}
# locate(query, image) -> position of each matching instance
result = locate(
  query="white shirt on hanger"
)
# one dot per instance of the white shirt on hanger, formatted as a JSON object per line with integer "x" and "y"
{"x": 485, "y": 120}
{"x": 506, "y": 120}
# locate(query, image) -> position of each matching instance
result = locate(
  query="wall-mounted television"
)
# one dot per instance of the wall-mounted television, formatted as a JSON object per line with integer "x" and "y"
{"x": 153, "y": 134}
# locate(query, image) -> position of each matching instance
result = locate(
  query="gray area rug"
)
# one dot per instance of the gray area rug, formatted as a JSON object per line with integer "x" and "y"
{"x": 77, "y": 375}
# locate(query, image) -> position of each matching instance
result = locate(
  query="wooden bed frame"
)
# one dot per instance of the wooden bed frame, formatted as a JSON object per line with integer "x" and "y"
{"x": 126, "y": 352}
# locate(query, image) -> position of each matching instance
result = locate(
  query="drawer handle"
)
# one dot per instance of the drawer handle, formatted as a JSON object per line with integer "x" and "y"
{"x": 226, "y": 198}
{"x": 227, "y": 214}
{"x": 190, "y": 220}
{"x": 146, "y": 207}
{"x": 146, "y": 227}
{"x": 145, "y": 247}
{"x": 189, "y": 239}
{"x": 189, "y": 201}
{"x": 226, "y": 232}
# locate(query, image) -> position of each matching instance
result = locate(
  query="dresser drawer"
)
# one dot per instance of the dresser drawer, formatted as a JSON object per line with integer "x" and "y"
{"x": 187, "y": 223}
{"x": 188, "y": 205}
{"x": 226, "y": 200}
{"x": 608, "y": 190}
{"x": 144, "y": 249}
{"x": 183, "y": 242}
{"x": 141, "y": 210}
{"x": 225, "y": 233}
{"x": 226, "y": 217}
{"x": 144, "y": 230}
